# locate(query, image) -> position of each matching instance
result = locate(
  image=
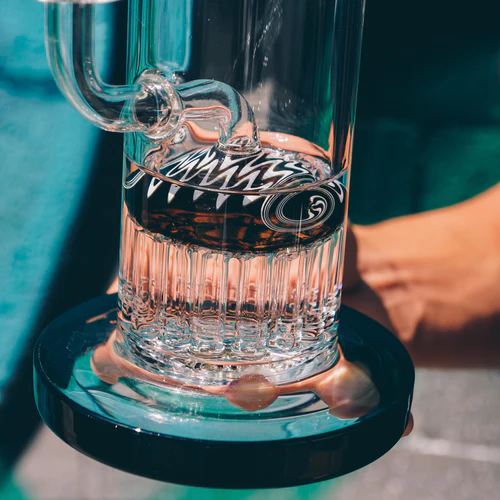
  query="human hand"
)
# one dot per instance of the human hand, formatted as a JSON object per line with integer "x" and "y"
{"x": 432, "y": 279}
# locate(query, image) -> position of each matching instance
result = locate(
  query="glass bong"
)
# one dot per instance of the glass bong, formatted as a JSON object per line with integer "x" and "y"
{"x": 238, "y": 118}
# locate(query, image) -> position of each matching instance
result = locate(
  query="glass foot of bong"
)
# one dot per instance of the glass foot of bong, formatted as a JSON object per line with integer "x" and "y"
{"x": 248, "y": 434}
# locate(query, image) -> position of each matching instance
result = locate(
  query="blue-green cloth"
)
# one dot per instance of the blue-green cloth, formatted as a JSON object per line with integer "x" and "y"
{"x": 428, "y": 123}
{"x": 46, "y": 152}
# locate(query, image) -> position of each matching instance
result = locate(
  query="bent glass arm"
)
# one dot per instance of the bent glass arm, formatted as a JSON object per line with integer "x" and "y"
{"x": 152, "y": 105}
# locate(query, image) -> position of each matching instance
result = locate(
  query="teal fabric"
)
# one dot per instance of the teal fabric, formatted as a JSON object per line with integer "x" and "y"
{"x": 428, "y": 123}
{"x": 46, "y": 150}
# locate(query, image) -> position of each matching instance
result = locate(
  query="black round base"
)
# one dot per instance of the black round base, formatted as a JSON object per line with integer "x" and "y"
{"x": 122, "y": 425}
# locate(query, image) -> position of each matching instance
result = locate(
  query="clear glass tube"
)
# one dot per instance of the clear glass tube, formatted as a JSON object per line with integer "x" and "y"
{"x": 150, "y": 105}
{"x": 70, "y": 49}
{"x": 239, "y": 118}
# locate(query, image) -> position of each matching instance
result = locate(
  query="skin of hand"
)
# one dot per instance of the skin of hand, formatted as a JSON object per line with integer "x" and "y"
{"x": 433, "y": 279}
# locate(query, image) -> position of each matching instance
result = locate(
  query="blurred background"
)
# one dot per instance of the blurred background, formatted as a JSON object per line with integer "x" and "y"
{"x": 427, "y": 135}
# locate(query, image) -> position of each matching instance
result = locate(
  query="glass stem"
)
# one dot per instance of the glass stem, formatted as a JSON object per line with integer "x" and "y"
{"x": 152, "y": 106}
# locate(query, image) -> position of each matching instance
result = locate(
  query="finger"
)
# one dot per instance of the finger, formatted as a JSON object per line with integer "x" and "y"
{"x": 409, "y": 426}
{"x": 113, "y": 288}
